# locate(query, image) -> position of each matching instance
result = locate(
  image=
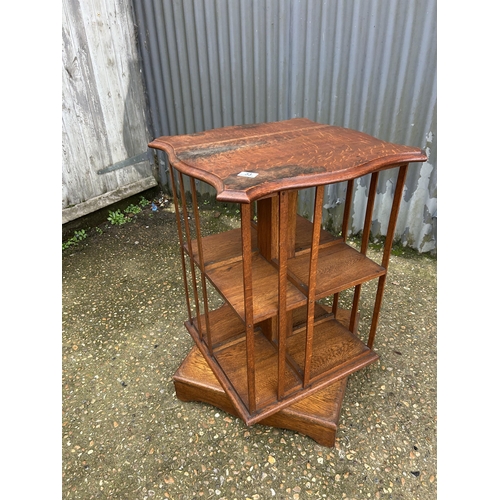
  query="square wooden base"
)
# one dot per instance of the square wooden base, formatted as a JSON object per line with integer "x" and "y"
{"x": 315, "y": 416}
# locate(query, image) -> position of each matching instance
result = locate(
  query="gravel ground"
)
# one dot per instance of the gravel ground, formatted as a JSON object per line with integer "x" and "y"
{"x": 126, "y": 436}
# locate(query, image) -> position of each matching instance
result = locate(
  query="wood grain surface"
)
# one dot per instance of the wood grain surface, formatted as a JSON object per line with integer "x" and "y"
{"x": 289, "y": 154}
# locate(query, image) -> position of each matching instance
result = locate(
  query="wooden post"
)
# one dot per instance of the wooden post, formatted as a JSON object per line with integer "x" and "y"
{"x": 364, "y": 243}
{"x": 267, "y": 224}
{"x": 345, "y": 231}
{"x": 391, "y": 229}
{"x": 181, "y": 242}
{"x": 202, "y": 266}
{"x": 313, "y": 262}
{"x": 347, "y": 208}
{"x": 190, "y": 252}
{"x": 282, "y": 288}
{"x": 246, "y": 242}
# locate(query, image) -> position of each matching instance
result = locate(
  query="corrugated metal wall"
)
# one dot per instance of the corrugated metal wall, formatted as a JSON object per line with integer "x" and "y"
{"x": 104, "y": 113}
{"x": 369, "y": 65}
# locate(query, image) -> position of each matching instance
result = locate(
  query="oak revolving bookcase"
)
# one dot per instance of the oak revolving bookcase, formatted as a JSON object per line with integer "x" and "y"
{"x": 270, "y": 351}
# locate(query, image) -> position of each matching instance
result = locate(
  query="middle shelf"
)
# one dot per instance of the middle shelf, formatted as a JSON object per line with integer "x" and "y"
{"x": 339, "y": 267}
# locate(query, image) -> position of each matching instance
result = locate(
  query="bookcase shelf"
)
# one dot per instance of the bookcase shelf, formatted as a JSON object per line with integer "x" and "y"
{"x": 230, "y": 283}
{"x": 339, "y": 267}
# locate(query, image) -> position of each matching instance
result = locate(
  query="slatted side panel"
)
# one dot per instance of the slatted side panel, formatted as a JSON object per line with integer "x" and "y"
{"x": 103, "y": 106}
{"x": 369, "y": 66}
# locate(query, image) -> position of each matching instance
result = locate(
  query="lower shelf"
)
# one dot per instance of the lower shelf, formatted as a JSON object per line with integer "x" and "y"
{"x": 315, "y": 416}
{"x": 337, "y": 353}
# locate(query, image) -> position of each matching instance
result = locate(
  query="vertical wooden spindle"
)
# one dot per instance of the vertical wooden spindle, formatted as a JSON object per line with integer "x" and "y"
{"x": 292, "y": 221}
{"x": 345, "y": 231}
{"x": 347, "y": 209}
{"x": 282, "y": 287}
{"x": 190, "y": 253}
{"x": 202, "y": 265}
{"x": 369, "y": 212}
{"x": 391, "y": 229}
{"x": 181, "y": 242}
{"x": 267, "y": 234}
{"x": 313, "y": 265}
{"x": 364, "y": 243}
{"x": 246, "y": 242}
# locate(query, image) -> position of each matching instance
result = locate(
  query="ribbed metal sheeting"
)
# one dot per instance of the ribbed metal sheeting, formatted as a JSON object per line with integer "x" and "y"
{"x": 368, "y": 65}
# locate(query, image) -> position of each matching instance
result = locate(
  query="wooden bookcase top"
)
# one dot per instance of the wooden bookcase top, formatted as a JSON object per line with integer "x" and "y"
{"x": 247, "y": 162}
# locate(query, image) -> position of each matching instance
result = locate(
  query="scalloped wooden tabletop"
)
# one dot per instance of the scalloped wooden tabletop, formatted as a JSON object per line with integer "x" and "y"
{"x": 247, "y": 162}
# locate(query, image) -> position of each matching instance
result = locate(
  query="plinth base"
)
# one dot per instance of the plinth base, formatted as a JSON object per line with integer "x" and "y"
{"x": 315, "y": 416}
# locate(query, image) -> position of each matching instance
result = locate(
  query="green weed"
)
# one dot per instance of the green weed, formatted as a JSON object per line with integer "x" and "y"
{"x": 78, "y": 236}
{"x": 143, "y": 202}
{"x": 133, "y": 209}
{"x": 117, "y": 217}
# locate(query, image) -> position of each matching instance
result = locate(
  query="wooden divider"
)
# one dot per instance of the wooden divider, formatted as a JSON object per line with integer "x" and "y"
{"x": 246, "y": 240}
{"x": 190, "y": 250}
{"x": 311, "y": 292}
{"x": 398, "y": 194}
{"x": 202, "y": 266}
{"x": 282, "y": 287}
{"x": 181, "y": 242}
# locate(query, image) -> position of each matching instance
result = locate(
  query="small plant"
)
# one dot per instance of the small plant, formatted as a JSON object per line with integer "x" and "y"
{"x": 99, "y": 230}
{"x": 117, "y": 217}
{"x": 78, "y": 236}
{"x": 143, "y": 202}
{"x": 132, "y": 209}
